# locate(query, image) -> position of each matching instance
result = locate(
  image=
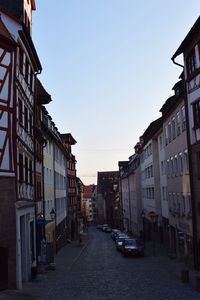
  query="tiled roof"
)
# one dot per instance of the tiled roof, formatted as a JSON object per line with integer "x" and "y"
{"x": 88, "y": 190}
{"x": 68, "y": 138}
{"x": 42, "y": 96}
{"x": 188, "y": 39}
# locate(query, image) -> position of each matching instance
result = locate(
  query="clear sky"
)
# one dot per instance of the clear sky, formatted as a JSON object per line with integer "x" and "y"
{"x": 107, "y": 65}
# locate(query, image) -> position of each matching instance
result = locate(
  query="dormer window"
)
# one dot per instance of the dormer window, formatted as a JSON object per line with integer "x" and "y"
{"x": 191, "y": 62}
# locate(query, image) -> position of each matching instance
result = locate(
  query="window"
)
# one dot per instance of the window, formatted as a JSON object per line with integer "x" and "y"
{"x": 191, "y": 62}
{"x": 30, "y": 171}
{"x": 166, "y": 135}
{"x": 163, "y": 192}
{"x": 176, "y": 165}
{"x": 183, "y": 204}
{"x": 26, "y": 170}
{"x": 26, "y": 118}
{"x": 27, "y": 70}
{"x": 183, "y": 118}
{"x": 169, "y": 132}
{"x": 173, "y": 129}
{"x": 30, "y": 124}
{"x": 161, "y": 142}
{"x": 170, "y": 201}
{"x": 20, "y": 112}
{"x": 162, "y": 168}
{"x": 168, "y": 168}
{"x": 196, "y": 114}
{"x": 171, "y": 167}
{"x": 180, "y": 163}
{"x": 21, "y": 168}
{"x": 186, "y": 161}
{"x": 21, "y": 59}
{"x": 178, "y": 123}
{"x": 31, "y": 80}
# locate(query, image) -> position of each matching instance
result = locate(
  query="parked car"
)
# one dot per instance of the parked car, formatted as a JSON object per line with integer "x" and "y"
{"x": 108, "y": 230}
{"x": 119, "y": 241}
{"x": 104, "y": 226}
{"x": 118, "y": 234}
{"x": 132, "y": 247}
{"x": 113, "y": 232}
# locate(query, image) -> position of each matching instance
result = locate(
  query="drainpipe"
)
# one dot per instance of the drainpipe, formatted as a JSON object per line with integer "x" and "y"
{"x": 34, "y": 161}
{"x": 194, "y": 218}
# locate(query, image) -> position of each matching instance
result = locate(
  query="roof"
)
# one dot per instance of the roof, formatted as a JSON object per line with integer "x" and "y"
{"x": 152, "y": 129}
{"x": 188, "y": 39}
{"x": 33, "y": 5}
{"x": 27, "y": 40}
{"x": 123, "y": 163}
{"x": 5, "y": 34}
{"x": 88, "y": 190}
{"x": 15, "y": 8}
{"x": 42, "y": 96}
{"x": 172, "y": 101}
{"x": 67, "y": 137}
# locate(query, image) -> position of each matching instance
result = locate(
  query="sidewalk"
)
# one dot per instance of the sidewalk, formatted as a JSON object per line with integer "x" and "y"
{"x": 33, "y": 289}
{"x": 173, "y": 265}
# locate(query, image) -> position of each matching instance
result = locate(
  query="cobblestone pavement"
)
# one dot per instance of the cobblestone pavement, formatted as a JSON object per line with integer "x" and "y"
{"x": 97, "y": 271}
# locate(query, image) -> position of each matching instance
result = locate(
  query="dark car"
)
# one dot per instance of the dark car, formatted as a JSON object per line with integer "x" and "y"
{"x": 120, "y": 240}
{"x": 108, "y": 229}
{"x": 132, "y": 247}
{"x": 113, "y": 232}
{"x": 118, "y": 234}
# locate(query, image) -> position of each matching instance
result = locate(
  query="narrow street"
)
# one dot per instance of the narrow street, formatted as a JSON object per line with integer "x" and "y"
{"x": 99, "y": 271}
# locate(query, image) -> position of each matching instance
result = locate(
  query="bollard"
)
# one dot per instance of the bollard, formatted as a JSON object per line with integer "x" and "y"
{"x": 185, "y": 276}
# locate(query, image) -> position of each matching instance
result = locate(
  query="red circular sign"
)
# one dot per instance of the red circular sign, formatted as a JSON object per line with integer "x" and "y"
{"x": 152, "y": 214}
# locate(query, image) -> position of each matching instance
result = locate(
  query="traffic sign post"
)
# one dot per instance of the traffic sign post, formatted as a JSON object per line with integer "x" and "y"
{"x": 153, "y": 216}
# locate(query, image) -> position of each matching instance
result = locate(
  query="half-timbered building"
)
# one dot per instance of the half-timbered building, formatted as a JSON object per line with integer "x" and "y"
{"x": 19, "y": 67}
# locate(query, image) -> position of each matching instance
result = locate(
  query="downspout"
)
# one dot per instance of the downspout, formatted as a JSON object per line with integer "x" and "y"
{"x": 194, "y": 219}
{"x": 34, "y": 161}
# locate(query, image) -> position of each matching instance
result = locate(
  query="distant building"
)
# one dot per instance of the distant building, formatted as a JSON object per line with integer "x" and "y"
{"x": 55, "y": 183}
{"x": 106, "y": 182}
{"x": 39, "y": 142}
{"x": 88, "y": 209}
{"x": 150, "y": 177}
{"x": 68, "y": 141}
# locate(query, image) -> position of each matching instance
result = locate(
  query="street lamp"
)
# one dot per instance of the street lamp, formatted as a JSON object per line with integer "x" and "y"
{"x": 53, "y": 214}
